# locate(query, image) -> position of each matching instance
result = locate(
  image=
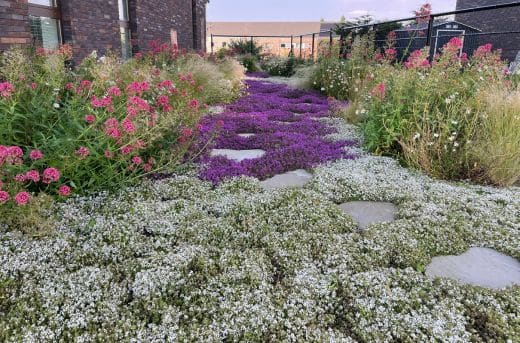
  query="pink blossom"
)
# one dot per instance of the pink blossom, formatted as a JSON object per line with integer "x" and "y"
{"x": 89, "y": 118}
{"x": 390, "y": 53}
{"x": 22, "y": 198}
{"x": 147, "y": 168}
{"x": 137, "y": 160}
{"x": 379, "y": 91}
{"x": 35, "y": 155}
{"x": 187, "y": 132}
{"x": 15, "y": 151}
{"x": 194, "y": 103}
{"x": 64, "y": 191}
{"x": 483, "y": 50}
{"x": 33, "y": 175}
{"x": 20, "y": 178}
{"x": 456, "y": 42}
{"x": 4, "y": 197}
{"x": 34, "y": 85}
{"x": 6, "y": 89}
{"x": 83, "y": 152}
{"x": 138, "y": 88}
{"x": 114, "y": 91}
{"x": 125, "y": 150}
{"x": 113, "y": 132}
{"x": 108, "y": 154}
{"x": 51, "y": 175}
{"x": 105, "y": 102}
{"x": 111, "y": 122}
{"x": 128, "y": 126}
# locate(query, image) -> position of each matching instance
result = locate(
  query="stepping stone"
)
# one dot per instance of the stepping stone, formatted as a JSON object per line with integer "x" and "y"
{"x": 293, "y": 179}
{"x": 479, "y": 267}
{"x": 368, "y": 212}
{"x": 238, "y": 155}
{"x": 246, "y": 135}
{"x": 216, "y": 109}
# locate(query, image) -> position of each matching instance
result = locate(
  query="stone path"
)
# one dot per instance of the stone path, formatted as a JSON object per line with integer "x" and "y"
{"x": 238, "y": 155}
{"x": 479, "y": 267}
{"x": 367, "y": 212}
{"x": 296, "y": 178}
{"x": 275, "y": 130}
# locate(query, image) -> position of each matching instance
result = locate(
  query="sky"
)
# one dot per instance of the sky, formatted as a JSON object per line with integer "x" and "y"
{"x": 314, "y": 10}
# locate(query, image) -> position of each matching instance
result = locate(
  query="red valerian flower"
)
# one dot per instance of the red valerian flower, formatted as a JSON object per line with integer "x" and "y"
{"x": 64, "y": 191}
{"x": 137, "y": 160}
{"x": 33, "y": 175}
{"x": 82, "y": 152}
{"x": 128, "y": 126}
{"x": 89, "y": 118}
{"x": 4, "y": 197}
{"x": 22, "y": 198}
{"x": 51, "y": 175}
{"x": 194, "y": 103}
{"x": 114, "y": 91}
{"x": 379, "y": 91}
{"x": 6, "y": 89}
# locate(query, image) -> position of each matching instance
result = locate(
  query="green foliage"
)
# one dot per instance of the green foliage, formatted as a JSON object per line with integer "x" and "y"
{"x": 245, "y": 46}
{"x": 250, "y": 62}
{"x": 102, "y": 126}
{"x": 281, "y": 66}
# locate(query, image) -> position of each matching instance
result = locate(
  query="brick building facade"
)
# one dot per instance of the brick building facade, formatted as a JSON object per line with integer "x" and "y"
{"x": 102, "y": 25}
{"x": 496, "y": 21}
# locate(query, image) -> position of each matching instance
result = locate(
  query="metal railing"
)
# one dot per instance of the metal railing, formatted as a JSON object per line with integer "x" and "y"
{"x": 430, "y": 34}
{"x": 251, "y": 38}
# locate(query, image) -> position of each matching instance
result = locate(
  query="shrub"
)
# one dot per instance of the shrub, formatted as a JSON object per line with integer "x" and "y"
{"x": 220, "y": 80}
{"x": 497, "y": 143}
{"x": 281, "y": 66}
{"x": 427, "y": 113}
{"x": 103, "y": 125}
{"x": 245, "y": 47}
{"x": 250, "y": 62}
{"x": 346, "y": 79}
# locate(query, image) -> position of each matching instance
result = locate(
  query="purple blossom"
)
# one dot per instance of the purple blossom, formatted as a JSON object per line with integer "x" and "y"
{"x": 284, "y": 124}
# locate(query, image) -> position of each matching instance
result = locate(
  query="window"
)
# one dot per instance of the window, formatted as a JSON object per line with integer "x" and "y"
{"x": 48, "y": 3}
{"x": 44, "y": 21}
{"x": 123, "y": 10}
{"x": 45, "y": 32}
{"x": 124, "y": 29}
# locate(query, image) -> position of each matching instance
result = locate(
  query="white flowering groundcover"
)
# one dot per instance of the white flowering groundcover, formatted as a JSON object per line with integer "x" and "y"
{"x": 179, "y": 260}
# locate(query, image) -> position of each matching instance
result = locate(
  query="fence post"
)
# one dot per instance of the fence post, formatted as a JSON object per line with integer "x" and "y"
{"x": 212, "y": 43}
{"x": 301, "y": 42}
{"x": 330, "y": 42}
{"x": 292, "y": 47}
{"x": 429, "y": 37}
{"x": 312, "y": 50}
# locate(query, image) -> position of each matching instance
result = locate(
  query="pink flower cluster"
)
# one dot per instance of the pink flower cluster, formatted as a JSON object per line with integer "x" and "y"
{"x": 105, "y": 102}
{"x": 379, "y": 91}
{"x": 417, "y": 59}
{"x": 6, "y": 89}
{"x": 11, "y": 155}
{"x": 138, "y": 88}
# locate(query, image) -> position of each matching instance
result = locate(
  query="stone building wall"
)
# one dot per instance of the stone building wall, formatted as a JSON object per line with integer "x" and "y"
{"x": 94, "y": 25}
{"x": 91, "y": 25}
{"x": 14, "y": 23}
